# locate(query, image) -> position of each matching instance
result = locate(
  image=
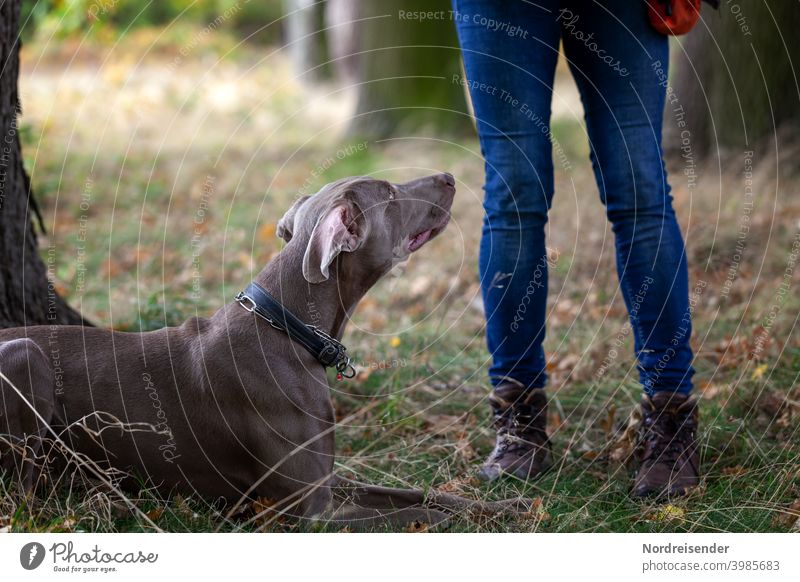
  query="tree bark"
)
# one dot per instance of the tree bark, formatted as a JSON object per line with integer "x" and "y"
{"x": 27, "y": 297}
{"x": 735, "y": 74}
{"x": 342, "y": 27}
{"x": 405, "y": 69}
{"x": 307, "y": 39}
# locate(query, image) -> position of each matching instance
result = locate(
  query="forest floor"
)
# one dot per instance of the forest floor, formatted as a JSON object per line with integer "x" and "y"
{"x": 162, "y": 172}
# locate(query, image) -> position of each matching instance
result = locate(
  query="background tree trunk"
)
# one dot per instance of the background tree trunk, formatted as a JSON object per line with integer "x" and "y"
{"x": 405, "y": 71}
{"x": 307, "y": 39}
{"x": 26, "y": 295}
{"x": 735, "y": 75}
{"x": 343, "y": 38}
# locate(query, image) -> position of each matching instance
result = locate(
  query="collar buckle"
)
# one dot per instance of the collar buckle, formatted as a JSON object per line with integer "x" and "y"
{"x": 243, "y": 299}
{"x": 328, "y": 351}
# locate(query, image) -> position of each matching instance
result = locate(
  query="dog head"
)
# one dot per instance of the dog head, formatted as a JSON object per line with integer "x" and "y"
{"x": 366, "y": 224}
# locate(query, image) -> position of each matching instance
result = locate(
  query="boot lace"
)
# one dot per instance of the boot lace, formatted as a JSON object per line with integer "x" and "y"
{"x": 517, "y": 430}
{"x": 667, "y": 436}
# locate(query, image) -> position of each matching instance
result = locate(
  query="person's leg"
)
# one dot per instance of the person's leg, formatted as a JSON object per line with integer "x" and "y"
{"x": 510, "y": 51}
{"x": 619, "y": 63}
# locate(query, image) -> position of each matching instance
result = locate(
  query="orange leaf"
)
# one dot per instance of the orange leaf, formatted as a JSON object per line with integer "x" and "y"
{"x": 155, "y": 514}
{"x": 266, "y": 233}
{"x": 417, "y": 527}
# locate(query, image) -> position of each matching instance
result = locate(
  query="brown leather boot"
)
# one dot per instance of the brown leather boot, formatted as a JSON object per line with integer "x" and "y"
{"x": 522, "y": 448}
{"x": 669, "y": 460}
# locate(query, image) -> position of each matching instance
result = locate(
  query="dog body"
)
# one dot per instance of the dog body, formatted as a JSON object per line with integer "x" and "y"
{"x": 174, "y": 420}
{"x": 227, "y": 406}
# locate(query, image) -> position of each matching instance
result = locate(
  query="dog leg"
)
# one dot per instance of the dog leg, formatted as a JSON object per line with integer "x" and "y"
{"x": 389, "y": 501}
{"x": 26, "y": 384}
{"x": 359, "y": 518}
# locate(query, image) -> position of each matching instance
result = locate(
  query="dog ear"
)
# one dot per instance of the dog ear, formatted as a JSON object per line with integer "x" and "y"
{"x": 341, "y": 229}
{"x": 285, "y": 227}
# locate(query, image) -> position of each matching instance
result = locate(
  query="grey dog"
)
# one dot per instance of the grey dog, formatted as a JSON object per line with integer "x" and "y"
{"x": 229, "y": 406}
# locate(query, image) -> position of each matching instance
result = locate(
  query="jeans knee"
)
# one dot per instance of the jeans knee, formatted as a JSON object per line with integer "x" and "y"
{"x": 643, "y": 216}
{"x": 519, "y": 198}
{"x": 640, "y": 196}
{"x": 511, "y": 220}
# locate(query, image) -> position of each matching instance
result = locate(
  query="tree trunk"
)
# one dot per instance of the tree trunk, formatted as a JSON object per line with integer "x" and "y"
{"x": 307, "y": 39}
{"x": 734, "y": 74}
{"x": 406, "y": 67}
{"x": 343, "y": 38}
{"x": 26, "y": 295}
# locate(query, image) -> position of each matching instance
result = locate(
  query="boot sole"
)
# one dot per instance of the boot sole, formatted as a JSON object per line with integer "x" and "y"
{"x": 662, "y": 494}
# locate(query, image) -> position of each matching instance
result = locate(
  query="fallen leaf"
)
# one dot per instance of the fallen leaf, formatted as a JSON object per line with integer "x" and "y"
{"x": 442, "y": 424}
{"x": 759, "y": 370}
{"x": 667, "y": 512}
{"x": 377, "y": 322}
{"x": 568, "y": 362}
{"x": 536, "y": 512}
{"x": 554, "y": 422}
{"x": 66, "y": 525}
{"x": 464, "y": 449}
{"x": 731, "y": 352}
{"x": 110, "y": 268}
{"x": 363, "y": 373}
{"x": 420, "y": 285}
{"x": 246, "y": 260}
{"x": 623, "y": 448}
{"x": 155, "y": 514}
{"x": 771, "y": 402}
{"x": 760, "y": 342}
{"x": 552, "y": 255}
{"x": 367, "y": 304}
{"x": 264, "y": 510}
{"x": 607, "y": 424}
{"x": 417, "y": 527}
{"x": 459, "y": 484}
{"x": 267, "y": 232}
{"x": 61, "y": 289}
{"x": 789, "y": 517}
{"x": 709, "y": 390}
{"x": 737, "y": 470}
{"x": 779, "y": 407}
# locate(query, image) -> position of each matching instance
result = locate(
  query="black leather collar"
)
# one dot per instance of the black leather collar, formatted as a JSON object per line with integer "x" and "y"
{"x": 327, "y": 351}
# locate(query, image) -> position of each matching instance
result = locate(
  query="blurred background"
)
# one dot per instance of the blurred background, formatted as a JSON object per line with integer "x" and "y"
{"x": 163, "y": 140}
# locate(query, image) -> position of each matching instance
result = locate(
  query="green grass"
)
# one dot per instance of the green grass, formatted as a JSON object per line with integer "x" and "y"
{"x": 420, "y": 335}
{"x": 750, "y": 464}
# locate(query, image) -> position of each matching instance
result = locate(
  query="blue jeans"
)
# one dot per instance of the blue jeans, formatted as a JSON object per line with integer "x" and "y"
{"x": 619, "y": 64}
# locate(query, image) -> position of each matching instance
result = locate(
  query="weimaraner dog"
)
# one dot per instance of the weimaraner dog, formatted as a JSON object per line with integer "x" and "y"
{"x": 237, "y": 405}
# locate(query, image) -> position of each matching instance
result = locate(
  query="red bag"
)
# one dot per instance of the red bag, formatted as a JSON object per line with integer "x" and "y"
{"x": 673, "y": 17}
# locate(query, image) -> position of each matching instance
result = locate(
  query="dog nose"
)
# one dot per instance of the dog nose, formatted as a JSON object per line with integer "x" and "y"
{"x": 448, "y": 179}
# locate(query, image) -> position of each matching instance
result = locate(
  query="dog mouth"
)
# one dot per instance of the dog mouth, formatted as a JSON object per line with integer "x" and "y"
{"x": 418, "y": 240}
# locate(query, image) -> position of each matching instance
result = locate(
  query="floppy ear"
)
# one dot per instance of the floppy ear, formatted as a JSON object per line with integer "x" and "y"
{"x": 285, "y": 228}
{"x": 340, "y": 229}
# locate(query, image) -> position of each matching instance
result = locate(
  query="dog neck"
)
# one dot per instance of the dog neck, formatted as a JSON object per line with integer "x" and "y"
{"x": 327, "y": 305}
